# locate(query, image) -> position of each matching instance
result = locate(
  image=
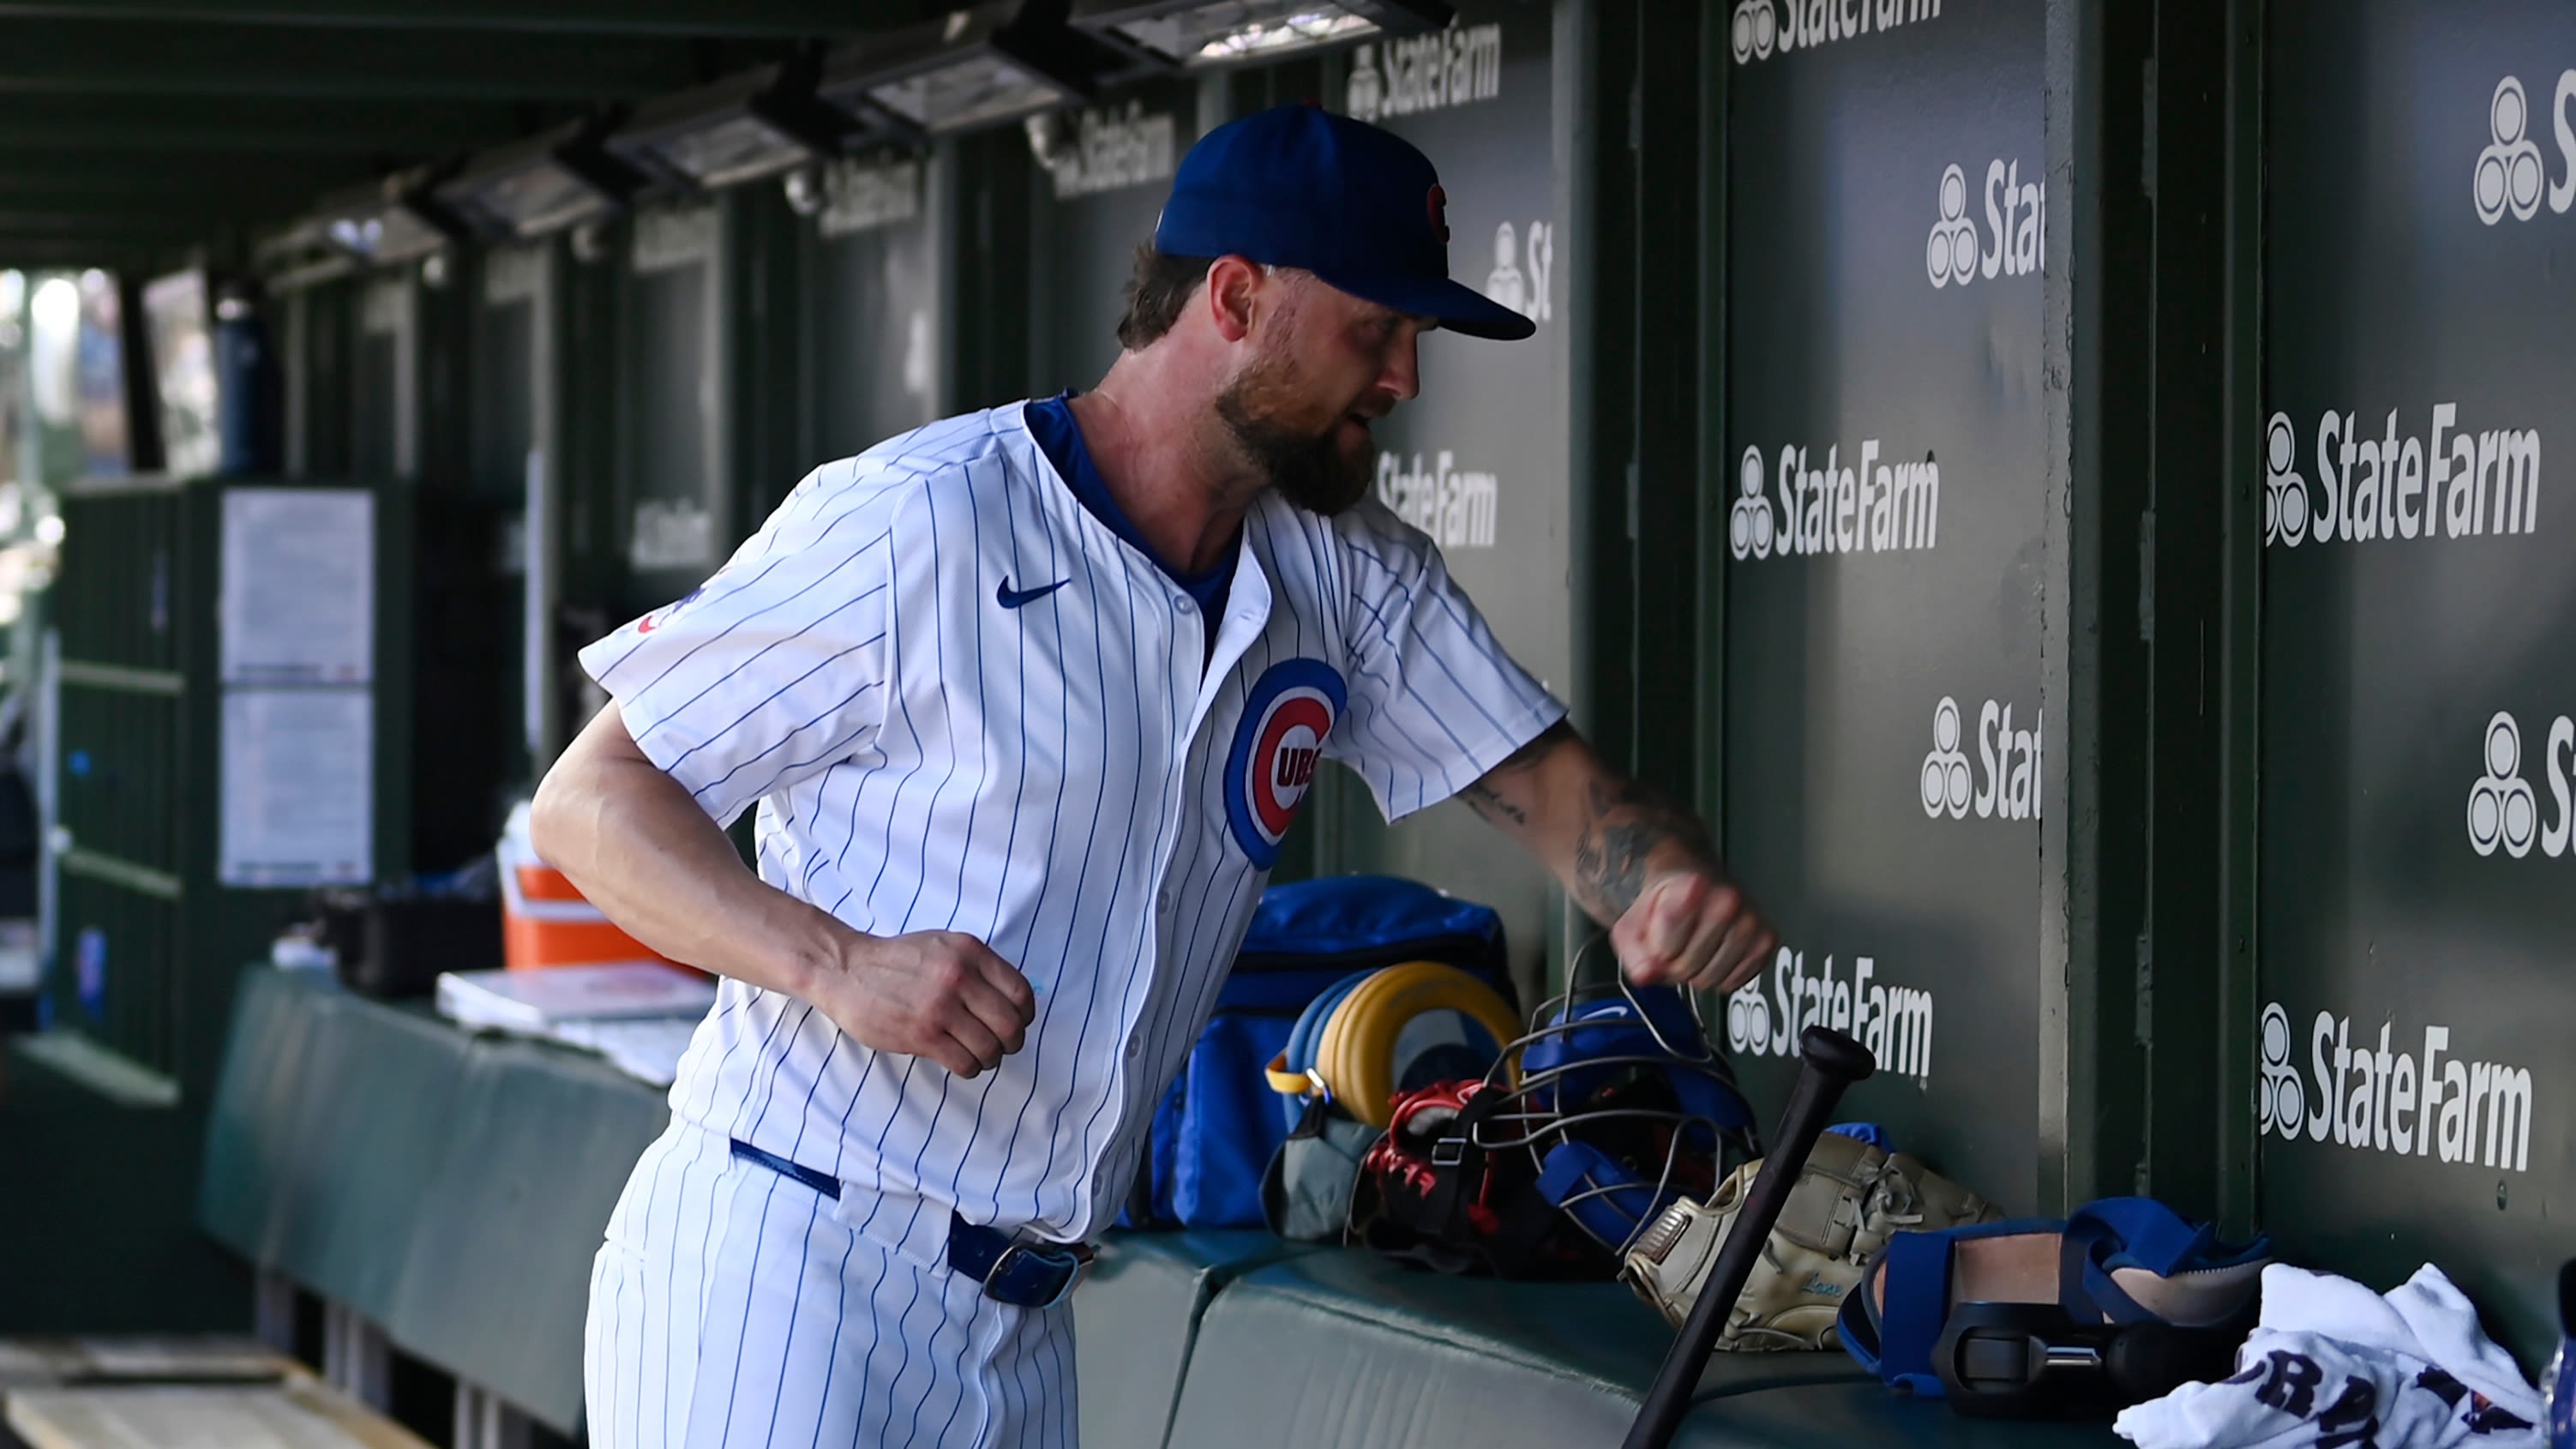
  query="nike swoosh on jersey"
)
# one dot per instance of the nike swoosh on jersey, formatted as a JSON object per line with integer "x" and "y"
{"x": 1012, "y": 598}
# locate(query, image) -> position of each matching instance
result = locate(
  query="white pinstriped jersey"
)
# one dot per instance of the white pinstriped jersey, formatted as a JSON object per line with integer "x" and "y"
{"x": 1062, "y": 779}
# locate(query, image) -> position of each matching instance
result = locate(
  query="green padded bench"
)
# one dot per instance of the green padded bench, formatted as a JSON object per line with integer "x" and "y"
{"x": 329, "y": 1128}
{"x": 251, "y": 1146}
{"x": 1347, "y": 1350}
{"x": 1137, "y": 1316}
{"x": 496, "y": 1255}
{"x": 450, "y": 1188}
{"x": 453, "y": 1189}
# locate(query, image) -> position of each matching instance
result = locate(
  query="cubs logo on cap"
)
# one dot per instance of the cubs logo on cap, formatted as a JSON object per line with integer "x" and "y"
{"x": 1277, "y": 745}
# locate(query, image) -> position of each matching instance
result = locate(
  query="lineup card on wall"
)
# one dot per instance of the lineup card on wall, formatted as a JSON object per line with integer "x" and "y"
{"x": 298, "y": 787}
{"x": 2416, "y": 851}
{"x": 1884, "y": 525}
{"x": 299, "y": 586}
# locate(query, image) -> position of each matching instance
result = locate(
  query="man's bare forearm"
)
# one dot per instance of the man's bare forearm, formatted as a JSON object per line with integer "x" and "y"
{"x": 635, "y": 845}
{"x": 1602, "y": 834}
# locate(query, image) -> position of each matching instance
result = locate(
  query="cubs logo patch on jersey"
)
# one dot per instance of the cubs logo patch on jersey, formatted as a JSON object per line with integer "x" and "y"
{"x": 1286, "y": 719}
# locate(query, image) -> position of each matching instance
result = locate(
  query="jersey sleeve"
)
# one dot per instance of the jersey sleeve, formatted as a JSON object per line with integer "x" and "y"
{"x": 1435, "y": 702}
{"x": 777, "y": 667}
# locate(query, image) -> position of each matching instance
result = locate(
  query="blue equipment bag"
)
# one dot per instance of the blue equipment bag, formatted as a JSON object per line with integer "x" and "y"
{"x": 1216, "y": 1129}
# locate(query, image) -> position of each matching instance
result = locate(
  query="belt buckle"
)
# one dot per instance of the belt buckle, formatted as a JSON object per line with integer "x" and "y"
{"x": 1032, "y": 1275}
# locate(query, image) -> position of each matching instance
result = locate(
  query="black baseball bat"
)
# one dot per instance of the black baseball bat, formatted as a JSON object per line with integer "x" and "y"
{"x": 1828, "y": 1061}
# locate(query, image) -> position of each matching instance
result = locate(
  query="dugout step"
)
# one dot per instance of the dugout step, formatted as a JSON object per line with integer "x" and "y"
{"x": 201, "y": 1392}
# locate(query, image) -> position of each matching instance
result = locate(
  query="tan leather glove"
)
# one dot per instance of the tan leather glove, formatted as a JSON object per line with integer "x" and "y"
{"x": 1848, "y": 1200}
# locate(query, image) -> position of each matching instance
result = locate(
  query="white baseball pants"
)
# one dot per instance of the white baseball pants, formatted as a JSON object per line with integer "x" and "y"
{"x": 732, "y": 1307}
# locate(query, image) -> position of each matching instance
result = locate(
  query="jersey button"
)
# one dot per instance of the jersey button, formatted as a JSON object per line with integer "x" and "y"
{"x": 1135, "y": 1049}
{"x": 1165, "y": 902}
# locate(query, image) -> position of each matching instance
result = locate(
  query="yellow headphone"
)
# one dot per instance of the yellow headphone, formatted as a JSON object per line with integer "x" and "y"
{"x": 1354, "y": 1052}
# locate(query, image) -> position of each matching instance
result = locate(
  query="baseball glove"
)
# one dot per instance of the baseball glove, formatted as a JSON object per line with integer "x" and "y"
{"x": 1848, "y": 1200}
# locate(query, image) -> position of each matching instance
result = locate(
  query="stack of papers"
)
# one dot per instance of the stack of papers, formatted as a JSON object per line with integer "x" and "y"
{"x": 640, "y": 1016}
{"x": 646, "y": 1048}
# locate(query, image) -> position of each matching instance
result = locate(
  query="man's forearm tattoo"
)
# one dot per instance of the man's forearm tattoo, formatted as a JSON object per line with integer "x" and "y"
{"x": 1627, "y": 823}
{"x": 1481, "y": 796}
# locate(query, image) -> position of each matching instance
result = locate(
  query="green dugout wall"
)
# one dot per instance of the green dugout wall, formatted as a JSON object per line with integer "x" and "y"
{"x": 1882, "y": 487}
{"x": 2416, "y": 985}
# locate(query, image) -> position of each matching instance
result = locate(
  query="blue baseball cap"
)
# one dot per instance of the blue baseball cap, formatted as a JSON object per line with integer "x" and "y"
{"x": 1298, "y": 186}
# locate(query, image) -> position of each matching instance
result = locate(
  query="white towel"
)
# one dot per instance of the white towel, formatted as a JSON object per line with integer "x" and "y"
{"x": 2335, "y": 1365}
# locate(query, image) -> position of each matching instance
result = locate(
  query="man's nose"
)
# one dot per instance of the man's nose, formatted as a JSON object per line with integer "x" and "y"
{"x": 1402, "y": 375}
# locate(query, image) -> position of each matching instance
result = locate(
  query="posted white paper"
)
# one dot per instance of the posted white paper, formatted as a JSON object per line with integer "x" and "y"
{"x": 299, "y": 788}
{"x": 299, "y": 586}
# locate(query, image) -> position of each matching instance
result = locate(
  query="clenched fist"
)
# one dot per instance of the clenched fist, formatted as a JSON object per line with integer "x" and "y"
{"x": 1691, "y": 929}
{"x": 937, "y": 994}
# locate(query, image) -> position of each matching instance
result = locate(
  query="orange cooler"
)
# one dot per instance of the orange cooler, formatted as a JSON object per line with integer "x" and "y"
{"x": 544, "y": 920}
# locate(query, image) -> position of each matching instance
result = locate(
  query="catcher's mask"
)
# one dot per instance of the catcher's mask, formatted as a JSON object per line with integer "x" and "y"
{"x": 1551, "y": 1164}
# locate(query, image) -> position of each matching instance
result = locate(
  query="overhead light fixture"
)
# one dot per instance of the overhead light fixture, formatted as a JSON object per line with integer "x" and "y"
{"x": 558, "y": 179}
{"x": 394, "y": 220}
{"x": 1200, "y": 34}
{"x": 742, "y": 128}
{"x": 978, "y": 68}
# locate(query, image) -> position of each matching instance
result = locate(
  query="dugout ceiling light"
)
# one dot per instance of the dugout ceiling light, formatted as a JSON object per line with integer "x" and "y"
{"x": 1202, "y": 34}
{"x": 758, "y": 124}
{"x": 976, "y": 69}
{"x": 395, "y": 220}
{"x": 541, "y": 185}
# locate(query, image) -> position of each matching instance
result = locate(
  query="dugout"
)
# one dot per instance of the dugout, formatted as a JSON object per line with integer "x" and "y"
{"x": 2060, "y": 485}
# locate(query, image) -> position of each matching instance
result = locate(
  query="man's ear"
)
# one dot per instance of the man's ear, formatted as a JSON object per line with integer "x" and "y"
{"x": 1234, "y": 288}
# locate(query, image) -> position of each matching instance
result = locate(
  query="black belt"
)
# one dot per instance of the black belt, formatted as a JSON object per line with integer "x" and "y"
{"x": 1025, "y": 1275}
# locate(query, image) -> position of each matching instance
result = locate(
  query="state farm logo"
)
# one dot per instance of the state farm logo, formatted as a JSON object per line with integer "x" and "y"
{"x": 1760, "y": 28}
{"x": 1113, "y": 149}
{"x": 1454, "y": 506}
{"x": 2285, "y": 493}
{"x": 2504, "y": 811}
{"x": 2005, "y": 787}
{"x": 1894, "y": 1022}
{"x": 2510, "y": 177}
{"x": 2450, "y": 482}
{"x": 1749, "y": 525}
{"x": 2016, "y": 240}
{"x": 2509, "y": 169}
{"x": 859, "y": 197}
{"x": 1757, "y": 29}
{"x": 1872, "y": 507}
{"x": 1453, "y": 67}
{"x": 2390, "y": 1100}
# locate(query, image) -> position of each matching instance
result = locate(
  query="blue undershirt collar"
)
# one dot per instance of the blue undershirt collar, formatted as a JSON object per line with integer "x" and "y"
{"x": 1050, "y": 421}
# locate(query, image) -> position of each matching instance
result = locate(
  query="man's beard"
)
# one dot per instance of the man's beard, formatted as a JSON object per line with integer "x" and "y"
{"x": 1307, "y": 468}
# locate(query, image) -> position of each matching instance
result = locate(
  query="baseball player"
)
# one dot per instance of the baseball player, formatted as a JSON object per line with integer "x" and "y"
{"x": 1025, "y": 700}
